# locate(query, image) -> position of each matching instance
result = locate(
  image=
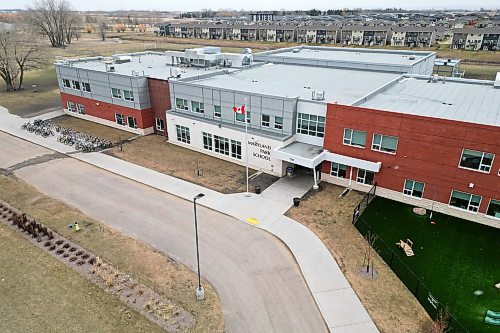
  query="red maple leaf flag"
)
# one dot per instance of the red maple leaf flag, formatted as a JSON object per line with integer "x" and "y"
{"x": 240, "y": 110}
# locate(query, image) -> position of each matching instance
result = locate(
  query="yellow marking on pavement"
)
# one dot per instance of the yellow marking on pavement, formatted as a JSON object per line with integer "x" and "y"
{"x": 252, "y": 220}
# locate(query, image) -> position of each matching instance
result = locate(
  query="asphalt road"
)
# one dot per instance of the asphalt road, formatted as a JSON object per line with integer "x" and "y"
{"x": 258, "y": 282}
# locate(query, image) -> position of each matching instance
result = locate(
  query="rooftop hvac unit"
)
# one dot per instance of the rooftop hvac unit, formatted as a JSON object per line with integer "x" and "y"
{"x": 110, "y": 69}
{"x": 318, "y": 95}
{"x": 295, "y": 50}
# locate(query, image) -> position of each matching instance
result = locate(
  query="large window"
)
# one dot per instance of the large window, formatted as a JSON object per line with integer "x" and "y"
{"x": 365, "y": 177}
{"x": 71, "y": 107}
{"x": 207, "y": 141}
{"x": 66, "y": 83}
{"x": 338, "y": 170}
{"x": 197, "y": 107}
{"x": 221, "y": 145}
{"x": 80, "y": 108}
{"x": 128, "y": 95}
{"x": 86, "y": 87}
{"x": 217, "y": 111}
{"x": 385, "y": 143}
{"x": 265, "y": 120}
{"x": 311, "y": 124}
{"x": 465, "y": 201}
{"x": 132, "y": 122}
{"x": 75, "y": 85}
{"x": 160, "y": 125}
{"x": 236, "y": 149}
{"x": 354, "y": 137}
{"x": 476, "y": 160}
{"x": 181, "y": 104}
{"x": 413, "y": 188}
{"x": 120, "y": 119}
{"x": 241, "y": 118}
{"x": 494, "y": 208}
{"x": 278, "y": 122}
{"x": 183, "y": 134}
{"x": 116, "y": 93}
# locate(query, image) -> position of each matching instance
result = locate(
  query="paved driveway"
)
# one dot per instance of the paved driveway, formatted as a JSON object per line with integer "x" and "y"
{"x": 255, "y": 276}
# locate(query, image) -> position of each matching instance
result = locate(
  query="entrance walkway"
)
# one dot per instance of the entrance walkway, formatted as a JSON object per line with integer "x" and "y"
{"x": 339, "y": 305}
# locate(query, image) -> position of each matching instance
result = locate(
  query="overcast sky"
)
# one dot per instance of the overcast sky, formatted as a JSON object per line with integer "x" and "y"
{"x": 187, "y": 5}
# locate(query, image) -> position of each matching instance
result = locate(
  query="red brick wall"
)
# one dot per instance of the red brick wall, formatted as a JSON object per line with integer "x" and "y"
{"x": 159, "y": 96}
{"x": 107, "y": 111}
{"x": 429, "y": 151}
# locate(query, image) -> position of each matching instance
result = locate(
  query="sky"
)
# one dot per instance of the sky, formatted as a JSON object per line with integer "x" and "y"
{"x": 191, "y": 5}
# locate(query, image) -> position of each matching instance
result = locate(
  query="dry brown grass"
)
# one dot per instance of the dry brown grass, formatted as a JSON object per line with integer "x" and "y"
{"x": 85, "y": 126}
{"x": 154, "y": 153}
{"x": 390, "y": 304}
{"x": 167, "y": 277}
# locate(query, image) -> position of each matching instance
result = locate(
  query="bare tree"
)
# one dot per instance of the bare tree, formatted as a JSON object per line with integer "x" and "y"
{"x": 371, "y": 238}
{"x": 102, "y": 29}
{"x": 56, "y": 19}
{"x": 19, "y": 51}
{"x": 441, "y": 322}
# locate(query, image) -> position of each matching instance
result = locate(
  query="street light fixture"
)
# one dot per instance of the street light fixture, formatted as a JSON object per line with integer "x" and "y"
{"x": 200, "y": 292}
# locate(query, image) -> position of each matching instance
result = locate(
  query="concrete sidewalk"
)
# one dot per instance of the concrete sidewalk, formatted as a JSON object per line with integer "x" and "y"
{"x": 339, "y": 305}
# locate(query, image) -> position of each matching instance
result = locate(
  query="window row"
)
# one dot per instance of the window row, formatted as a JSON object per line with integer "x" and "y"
{"x": 222, "y": 145}
{"x": 123, "y": 120}
{"x": 76, "y": 85}
{"x": 311, "y": 124}
{"x": 380, "y": 142}
{"x": 183, "y": 134}
{"x": 199, "y": 107}
{"x": 127, "y": 95}
{"x": 75, "y": 107}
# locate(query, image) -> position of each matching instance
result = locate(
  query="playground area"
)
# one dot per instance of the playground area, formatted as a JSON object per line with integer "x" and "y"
{"x": 446, "y": 262}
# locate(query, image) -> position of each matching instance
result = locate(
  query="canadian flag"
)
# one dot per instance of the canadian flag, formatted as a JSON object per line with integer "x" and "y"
{"x": 240, "y": 110}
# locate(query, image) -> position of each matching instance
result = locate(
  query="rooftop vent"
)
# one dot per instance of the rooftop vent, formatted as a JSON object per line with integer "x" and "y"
{"x": 110, "y": 68}
{"x": 318, "y": 95}
{"x": 295, "y": 50}
{"x": 497, "y": 81}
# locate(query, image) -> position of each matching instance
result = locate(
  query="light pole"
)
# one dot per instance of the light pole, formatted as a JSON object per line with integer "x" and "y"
{"x": 200, "y": 292}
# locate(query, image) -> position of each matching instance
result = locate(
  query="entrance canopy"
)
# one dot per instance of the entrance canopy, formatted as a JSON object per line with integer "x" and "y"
{"x": 300, "y": 153}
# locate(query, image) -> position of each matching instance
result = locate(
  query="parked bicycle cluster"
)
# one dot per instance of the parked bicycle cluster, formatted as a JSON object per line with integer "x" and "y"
{"x": 82, "y": 141}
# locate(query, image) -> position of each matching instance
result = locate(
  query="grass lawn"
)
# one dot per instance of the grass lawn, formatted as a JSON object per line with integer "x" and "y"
{"x": 453, "y": 258}
{"x": 41, "y": 294}
{"x": 166, "y": 276}
{"x": 329, "y": 216}
{"x": 153, "y": 152}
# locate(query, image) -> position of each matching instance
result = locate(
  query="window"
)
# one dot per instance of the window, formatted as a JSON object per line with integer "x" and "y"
{"x": 160, "y": 125}
{"x": 221, "y": 145}
{"x": 365, "y": 177}
{"x": 278, "y": 122}
{"x": 120, "y": 119}
{"x": 183, "y": 134}
{"x": 181, "y": 104}
{"x": 86, "y": 86}
{"x": 236, "y": 149}
{"x": 311, "y": 125}
{"x": 128, "y": 95}
{"x": 476, "y": 160}
{"x": 197, "y": 107}
{"x": 75, "y": 85}
{"x": 207, "y": 141}
{"x": 217, "y": 111}
{"x": 465, "y": 201}
{"x": 338, "y": 170}
{"x": 385, "y": 143}
{"x": 71, "y": 107}
{"x": 80, "y": 108}
{"x": 116, "y": 93}
{"x": 265, "y": 120}
{"x": 132, "y": 122}
{"x": 240, "y": 117}
{"x": 354, "y": 138}
{"x": 413, "y": 188}
{"x": 494, "y": 208}
{"x": 66, "y": 83}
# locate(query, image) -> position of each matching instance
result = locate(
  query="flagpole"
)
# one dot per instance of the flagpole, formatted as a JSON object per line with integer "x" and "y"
{"x": 246, "y": 143}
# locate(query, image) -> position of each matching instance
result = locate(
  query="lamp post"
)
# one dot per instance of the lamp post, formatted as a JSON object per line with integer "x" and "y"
{"x": 200, "y": 292}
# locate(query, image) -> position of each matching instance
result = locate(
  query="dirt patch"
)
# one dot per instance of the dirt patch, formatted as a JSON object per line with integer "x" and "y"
{"x": 102, "y": 131}
{"x": 154, "y": 153}
{"x": 390, "y": 304}
{"x": 164, "y": 275}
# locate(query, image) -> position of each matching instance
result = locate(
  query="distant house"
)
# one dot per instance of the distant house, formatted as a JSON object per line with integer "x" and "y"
{"x": 262, "y": 16}
{"x": 476, "y": 39}
{"x": 6, "y": 26}
{"x": 365, "y": 35}
{"x": 413, "y": 36}
{"x": 209, "y": 30}
{"x": 241, "y": 32}
{"x": 321, "y": 34}
{"x": 277, "y": 33}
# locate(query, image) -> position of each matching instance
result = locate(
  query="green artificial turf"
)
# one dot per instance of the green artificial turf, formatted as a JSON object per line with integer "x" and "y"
{"x": 453, "y": 258}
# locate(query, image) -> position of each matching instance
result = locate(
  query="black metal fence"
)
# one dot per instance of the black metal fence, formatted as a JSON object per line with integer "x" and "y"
{"x": 359, "y": 209}
{"x": 423, "y": 294}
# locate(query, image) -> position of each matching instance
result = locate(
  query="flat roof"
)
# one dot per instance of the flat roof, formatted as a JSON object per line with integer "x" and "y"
{"x": 464, "y": 100}
{"x": 365, "y": 56}
{"x": 340, "y": 85}
{"x": 147, "y": 64}
{"x": 303, "y": 150}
